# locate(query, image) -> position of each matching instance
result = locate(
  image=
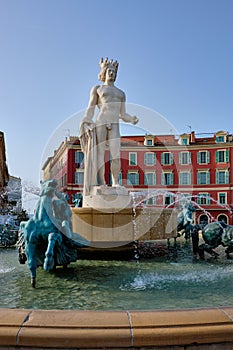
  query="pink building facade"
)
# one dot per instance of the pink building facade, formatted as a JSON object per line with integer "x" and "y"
{"x": 165, "y": 167}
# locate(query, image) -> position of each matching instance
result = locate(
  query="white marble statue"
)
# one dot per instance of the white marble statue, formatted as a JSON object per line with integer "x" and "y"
{"x": 93, "y": 135}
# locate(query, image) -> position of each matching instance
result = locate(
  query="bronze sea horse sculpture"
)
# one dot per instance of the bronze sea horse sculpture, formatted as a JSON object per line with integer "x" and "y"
{"x": 47, "y": 239}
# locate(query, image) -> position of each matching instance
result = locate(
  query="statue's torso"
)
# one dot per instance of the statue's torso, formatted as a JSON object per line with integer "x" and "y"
{"x": 109, "y": 103}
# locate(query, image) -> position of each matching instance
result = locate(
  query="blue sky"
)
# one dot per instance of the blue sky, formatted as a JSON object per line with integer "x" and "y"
{"x": 176, "y": 57}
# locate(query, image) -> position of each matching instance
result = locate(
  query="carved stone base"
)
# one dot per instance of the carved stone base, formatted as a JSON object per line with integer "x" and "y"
{"x": 106, "y": 197}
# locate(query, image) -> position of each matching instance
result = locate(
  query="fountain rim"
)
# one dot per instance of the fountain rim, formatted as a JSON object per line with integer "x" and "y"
{"x": 114, "y": 329}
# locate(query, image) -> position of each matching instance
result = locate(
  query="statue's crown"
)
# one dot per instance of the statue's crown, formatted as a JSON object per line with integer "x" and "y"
{"x": 104, "y": 63}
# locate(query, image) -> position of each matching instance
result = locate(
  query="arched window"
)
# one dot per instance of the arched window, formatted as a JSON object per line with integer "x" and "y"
{"x": 223, "y": 217}
{"x": 203, "y": 219}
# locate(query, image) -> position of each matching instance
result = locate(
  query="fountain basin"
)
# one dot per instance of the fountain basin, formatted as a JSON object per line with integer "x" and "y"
{"x": 56, "y": 329}
{"x": 179, "y": 329}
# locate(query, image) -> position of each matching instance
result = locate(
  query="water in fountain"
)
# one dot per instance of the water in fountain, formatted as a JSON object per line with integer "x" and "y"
{"x": 160, "y": 283}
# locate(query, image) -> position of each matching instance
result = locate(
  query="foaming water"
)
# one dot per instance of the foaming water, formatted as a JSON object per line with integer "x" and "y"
{"x": 6, "y": 270}
{"x": 162, "y": 281}
{"x": 169, "y": 282}
{"x": 5, "y": 264}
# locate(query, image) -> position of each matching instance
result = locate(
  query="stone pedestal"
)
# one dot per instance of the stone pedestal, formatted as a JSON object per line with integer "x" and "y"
{"x": 106, "y": 197}
{"x": 108, "y": 219}
{"x": 115, "y": 228}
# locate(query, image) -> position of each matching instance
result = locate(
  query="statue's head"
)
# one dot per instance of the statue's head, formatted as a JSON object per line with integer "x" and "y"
{"x": 48, "y": 187}
{"x": 107, "y": 67}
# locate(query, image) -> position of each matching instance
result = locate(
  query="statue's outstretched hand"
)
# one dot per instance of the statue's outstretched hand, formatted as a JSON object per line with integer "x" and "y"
{"x": 135, "y": 120}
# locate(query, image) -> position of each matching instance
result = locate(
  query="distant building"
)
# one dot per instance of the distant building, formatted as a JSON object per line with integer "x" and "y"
{"x": 10, "y": 186}
{"x": 14, "y": 189}
{"x": 4, "y": 176}
{"x": 197, "y": 166}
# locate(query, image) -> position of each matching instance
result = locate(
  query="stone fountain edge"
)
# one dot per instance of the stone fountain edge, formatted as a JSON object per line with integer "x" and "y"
{"x": 166, "y": 329}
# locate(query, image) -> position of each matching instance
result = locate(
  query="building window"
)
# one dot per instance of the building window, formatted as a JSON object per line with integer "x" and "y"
{"x": 203, "y": 199}
{"x": 222, "y": 156}
{"x": 203, "y": 219}
{"x": 222, "y": 177}
{"x": 185, "y": 158}
{"x": 149, "y": 140}
{"x": 168, "y": 199}
{"x": 167, "y": 158}
{"x": 203, "y": 157}
{"x": 133, "y": 178}
{"x": 220, "y": 138}
{"x": 150, "y": 178}
{"x": 132, "y": 158}
{"x": 203, "y": 177}
{"x": 167, "y": 178}
{"x": 150, "y": 201}
{"x": 185, "y": 178}
{"x": 222, "y": 198}
{"x": 184, "y": 141}
{"x": 79, "y": 178}
{"x": 183, "y": 198}
{"x": 223, "y": 218}
{"x": 79, "y": 159}
{"x": 149, "y": 158}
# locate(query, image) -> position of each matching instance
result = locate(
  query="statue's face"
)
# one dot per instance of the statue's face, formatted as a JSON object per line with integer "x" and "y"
{"x": 110, "y": 74}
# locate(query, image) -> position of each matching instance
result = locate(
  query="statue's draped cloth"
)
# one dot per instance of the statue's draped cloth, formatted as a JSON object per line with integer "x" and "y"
{"x": 89, "y": 147}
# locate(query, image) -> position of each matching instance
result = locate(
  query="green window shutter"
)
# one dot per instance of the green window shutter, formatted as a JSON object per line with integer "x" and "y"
{"x": 128, "y": 179}
{"x": 145, "y": 158}
{"x": 190, "y": 158}
{"x": 120, "y": 178}
{"x": 162, "y": 179}
{"x": 208, "y": 157}
{"x": 154, "y": 159}
{"x": 162, "y": 158}
{"x": 227, "y": 177}
{"x": 189, "y": 178}
{"x": 134, "y": 159}
{"x": 227, "y": 155}
{"x": 180, "y": 158}
{"x": 198, "y": 178}
{"x": 208, "y": 178}
{"x": 198, "y": 157}
{"x": 172, "y": 158}
{"x": 217, "y": 156}
{"x": 172, "y": 178}
{"x": 217, "y": 177}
